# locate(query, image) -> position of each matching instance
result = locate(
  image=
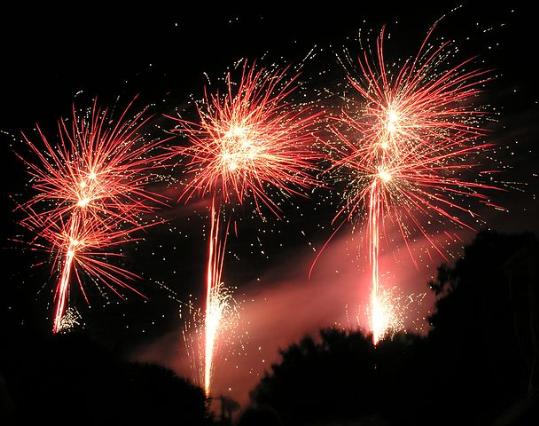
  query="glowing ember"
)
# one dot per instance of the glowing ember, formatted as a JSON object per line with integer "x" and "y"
{"x": 70, "y": 320}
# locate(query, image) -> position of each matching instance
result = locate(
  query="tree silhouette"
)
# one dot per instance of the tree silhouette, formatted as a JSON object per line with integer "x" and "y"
{"x": 261, "y": 416}
{"x": 315, "y": 379}
{"x": 68, "y": 379}
{"x": 484, "y": 327}
{"x": 478, "y": 364}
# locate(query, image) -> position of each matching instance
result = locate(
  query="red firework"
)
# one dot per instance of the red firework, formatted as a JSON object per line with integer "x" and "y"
{"x": 252, "y": 143}
{"x": 89, "y": 196}
{"x": 82, "y": 247}
{"x": 411, "y": 153}
{"x": 249, "y": 140}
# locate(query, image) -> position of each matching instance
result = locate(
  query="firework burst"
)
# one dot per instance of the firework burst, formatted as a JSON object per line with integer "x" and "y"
{"x": 250, "y": 139}
{"x": 410, "y": 155}
{"x": 89, "y": 196}
{"x": 248, "y": 143}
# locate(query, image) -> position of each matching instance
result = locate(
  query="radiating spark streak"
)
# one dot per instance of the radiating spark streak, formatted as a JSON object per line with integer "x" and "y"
{"x": 249, "y": 143}
{"x": 405, "y": 156}
{"x": 90, "y": 195}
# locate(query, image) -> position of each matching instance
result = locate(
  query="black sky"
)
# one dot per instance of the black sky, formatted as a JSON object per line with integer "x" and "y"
{"x": 54, "y": 57}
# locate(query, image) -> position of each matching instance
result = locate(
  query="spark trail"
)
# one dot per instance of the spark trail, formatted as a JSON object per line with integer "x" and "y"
{"x": 216, "y": 299}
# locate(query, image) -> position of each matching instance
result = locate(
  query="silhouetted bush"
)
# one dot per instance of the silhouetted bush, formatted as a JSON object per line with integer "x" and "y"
{"x": 67, "y": 379}
{"x": 478, "y": 365}
{"x": 261, "y": 416}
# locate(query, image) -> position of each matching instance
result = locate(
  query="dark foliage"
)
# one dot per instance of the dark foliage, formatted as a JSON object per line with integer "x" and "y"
{"x": 478, "y": 365}
{"x": 70, "y": 380}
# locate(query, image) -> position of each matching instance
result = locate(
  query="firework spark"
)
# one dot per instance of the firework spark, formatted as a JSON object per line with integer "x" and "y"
{"x": 250, "y": 143}
{"x": 408, "y": 153}
{"x": 391, "y": 310}
{"x": 70, "y": 320}
{"x": 89, "y": 196}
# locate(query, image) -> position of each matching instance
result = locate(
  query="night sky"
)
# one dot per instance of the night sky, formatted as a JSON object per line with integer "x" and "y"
{"x": 57, "y": 57}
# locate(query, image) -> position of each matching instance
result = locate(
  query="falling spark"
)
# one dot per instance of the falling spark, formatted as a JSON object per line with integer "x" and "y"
{"x": 250, "y": 143}
{"x": 90, "y": 196}
{"x": 408, "y": 153}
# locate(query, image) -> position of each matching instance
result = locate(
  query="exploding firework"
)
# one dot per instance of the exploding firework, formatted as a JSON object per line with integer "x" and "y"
{"x": 410, "y": 154}
{"x": 249, "y": 143}
{"x": 89, "y": 197}
{"x": 249, "y": 140}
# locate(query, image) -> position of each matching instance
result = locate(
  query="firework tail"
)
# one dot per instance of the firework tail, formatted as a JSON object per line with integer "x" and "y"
{"x": 376, "y": 314}
{"x": 215, "y": 300}
{"x": 62, "y": 289}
